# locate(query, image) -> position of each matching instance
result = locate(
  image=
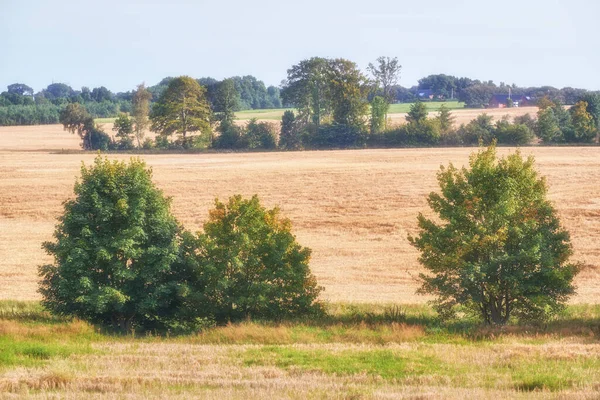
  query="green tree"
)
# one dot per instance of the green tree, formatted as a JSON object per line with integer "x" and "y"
{"x": 226, "y": 100}
{"x": 114, "y": 248}
{"x": 547, "y": 126}
{"x": 76, "y": 119}
{"x": 289, "y": 136}
{"x": 348, "y": 91}
{"x": 182, "y": 108}
{"x": 385, "y": 73}
{"x": 123, "y": 125}
{"x": 445, "y": 119}
{"x": 417, "y": 113}
{"x": 507, "y": 133}
{"x": 260, "y": 135}
{"x": 250, "y": 265}
{"x": 307, "y": 89}
{"x": 379, "y": 109}
{"x": 140, "y": 111}
{"x": 584, "y": 129}
{"x": 497, "y": 247}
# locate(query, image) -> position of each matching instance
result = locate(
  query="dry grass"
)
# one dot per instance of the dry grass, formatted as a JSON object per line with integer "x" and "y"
{"x": 464, "y": 116}
{"x": 353, "y": 208}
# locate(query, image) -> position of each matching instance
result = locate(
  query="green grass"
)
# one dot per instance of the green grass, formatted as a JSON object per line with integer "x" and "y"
{"x": 431, "y": 106}
{"x": 276, "y": 113}
{"x": 104, "y": 120}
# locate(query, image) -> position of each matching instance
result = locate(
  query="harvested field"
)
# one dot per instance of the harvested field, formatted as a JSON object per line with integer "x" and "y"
{"x": 353, "y": 208}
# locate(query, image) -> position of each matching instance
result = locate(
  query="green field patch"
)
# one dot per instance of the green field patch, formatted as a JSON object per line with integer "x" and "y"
{"x": 431, "y": 106}
{"x": 384, "y": 363}
{"x": 33, "y": 353}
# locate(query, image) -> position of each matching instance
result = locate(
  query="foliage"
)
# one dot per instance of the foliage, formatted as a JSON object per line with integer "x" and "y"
{"x": 306, "y": 88}
{"x": 379, "y": 109}
{"x": 478, "y": 130}
{"x": 289, "y": 136}
{"x": 140, "y": 112}
{"x": 516, "y": 134}
{"x": 226, "y": 100}
{"x": 499, "y": 250}
{"x": 417, "y": 113}
{"x": 584, "y": 128}
{"x": 181, "y": 108}
{"x": 348, "y": 93}
{"x": 114, "y": 247}
{"x": 250, "y": 265}
{"x": 230, "y": 135}
{"x": 385, "y": 73}
{"x": 260, "y": 135}
{"x": 123, "y": 125}
{"x": 76, "y": 119}
{"x": 445, "y": 119}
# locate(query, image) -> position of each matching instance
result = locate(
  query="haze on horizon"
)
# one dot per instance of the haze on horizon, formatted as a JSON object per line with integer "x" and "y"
{"x": 119, "y": 44}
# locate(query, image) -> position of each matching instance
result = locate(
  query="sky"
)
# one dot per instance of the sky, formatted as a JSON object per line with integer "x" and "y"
{"x": 119, "y": 44}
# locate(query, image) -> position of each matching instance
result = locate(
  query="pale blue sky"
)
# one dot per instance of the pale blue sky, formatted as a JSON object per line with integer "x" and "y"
{"x": 120, "y": 43}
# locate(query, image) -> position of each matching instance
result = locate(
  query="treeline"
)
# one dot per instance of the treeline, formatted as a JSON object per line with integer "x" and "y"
{"x": 19, "y": 105}
{"x": 477, "y": 94}
{"x": 337, "y": 106}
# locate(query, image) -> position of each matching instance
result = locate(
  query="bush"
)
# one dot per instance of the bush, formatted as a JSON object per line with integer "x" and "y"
{"x": 115, "y": 246}
{"x": 260, "y": 135}
{"x": 248, "y": 265}
{"x": 499, "y": 250}
{"x": 336, "y": 136}
{"x": 507, "y": 133}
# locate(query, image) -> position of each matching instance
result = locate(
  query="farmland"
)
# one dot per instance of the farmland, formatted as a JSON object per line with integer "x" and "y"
{"x": 355, "y": 210}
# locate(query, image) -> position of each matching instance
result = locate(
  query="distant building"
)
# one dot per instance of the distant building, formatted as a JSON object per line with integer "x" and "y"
{"x": 501, "y": 101}
{"x": 425, "y": 94}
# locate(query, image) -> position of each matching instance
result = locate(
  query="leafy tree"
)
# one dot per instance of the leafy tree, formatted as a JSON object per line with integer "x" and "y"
{"x": 226, "y": 100}
{"x": 56, "y": 91}
{"x": 114, "y": 249}
{"x": 307, "y": 89}
{"x": 230, "y": 136}
{"x": 507, "y": 133}
{"x": 477, "y": 96}
{"x": 417, "y": 113}
{"x": 289, "y": 136}
{"x": 101, "y": 94}
{"x": 250, "y": 265}
{"x": 348, "y": 93}
{"x": 123, "y": 125}
{"x": 260, "y": 135}
{"x": 441, "y": 85}
{"x": 445, "y": 119}
{"x": 20, "y": 89}
{"x": 499, "y": 250}
{"x": 547, "y": 127}
{"x": 478, "y": 130}
{"x": 140, "y": 111}
{"x": 181, "y": 108}
{"x": 76, "y": 119}
{"x": 379, "y": 109}
{"x": 593, "y": 106}
{"x": 386, "y": 73}
{"x": 584, "y": 129}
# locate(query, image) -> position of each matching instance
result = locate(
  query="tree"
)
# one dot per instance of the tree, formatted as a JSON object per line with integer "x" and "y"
{"x": 445, "y": 119}
{"x": 386, "y": 73}
{"x": 114, "y": 248}
{"x": 498, "y": 249}
{"x": 379, "y": 109}
{"x": 140, "y": 109}
{"x": 306, "y": 88}
{"x": 289, "y": 136}
{"x": 123, "y": 125}
{"x": 226, "y": 100}
{"x": 348, "y": 93}
{"x": 250, "y": 265}
{"x": 20, "y": 89}
{"x": 584, "y": 129}
{"x": 76, "y": 119}
{"x": 547, "y": 126}
{"x": 260, "y": 135}
{"x": 181, "y": 108}
{"x": 417, "y": 113}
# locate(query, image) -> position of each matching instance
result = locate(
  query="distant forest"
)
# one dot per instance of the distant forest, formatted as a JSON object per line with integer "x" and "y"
{"x": 21, "y": 105}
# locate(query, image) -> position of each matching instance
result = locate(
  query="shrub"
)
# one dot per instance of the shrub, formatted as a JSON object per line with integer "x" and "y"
{"x": 248, "y": 264}
{"x": 499, "y": 249}
{"x": 336, "y": 136}
{"x": 115, "y": 246}
{"x": 507, "y": 133}
{"x": 260, "y": 135}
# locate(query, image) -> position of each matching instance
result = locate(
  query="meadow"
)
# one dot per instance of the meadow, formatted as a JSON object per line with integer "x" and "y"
{"x": 354, "y": 208}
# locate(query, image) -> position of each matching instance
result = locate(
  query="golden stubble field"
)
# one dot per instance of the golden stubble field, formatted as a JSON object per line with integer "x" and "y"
{"x": 353, "y": 208}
